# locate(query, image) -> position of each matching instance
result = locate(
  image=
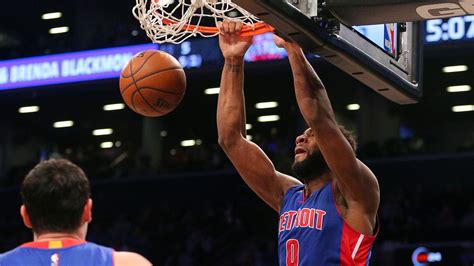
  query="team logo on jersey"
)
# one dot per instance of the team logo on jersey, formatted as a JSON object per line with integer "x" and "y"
{"x": 306, "y": 217}
{"x": 55, "y": 259}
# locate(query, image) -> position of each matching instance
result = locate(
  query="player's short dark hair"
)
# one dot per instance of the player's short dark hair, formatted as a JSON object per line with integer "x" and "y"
{"x": 350, "y": 137}
{"x": 54, "y": 193}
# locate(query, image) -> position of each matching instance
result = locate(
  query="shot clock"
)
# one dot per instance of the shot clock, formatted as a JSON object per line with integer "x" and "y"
{"x": 452, "y": 29}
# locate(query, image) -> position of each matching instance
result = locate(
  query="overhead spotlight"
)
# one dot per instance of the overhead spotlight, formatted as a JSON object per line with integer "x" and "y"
{"x": 212, "y": 91}
{"x": 134, "y": 33}
{"x": 59, "y": 30}
{"x": 198, "y": 142}
{"x": 266, "y": 105}
{"x": 114, "y": 107}
{"x": 118, "y": 144}
{"x": 463, "y": 108}
{"x": 107, "y": 145}
{"x": 163, "y": 133}
{"x": 458, "y": 88}
{"x": 52, "y": 15}
{"x": 452, "y": 69}
{"x": 102, "y": 132}
{"x": 268, "y": 118}
{"x": 248, "y": 126}
{"x": 188, "y": 143}
{"x": 62, "y": 124}
{"x": 249, "y": 137}
{"x": 28, "y": 109}
{"x": 353, "y": 107}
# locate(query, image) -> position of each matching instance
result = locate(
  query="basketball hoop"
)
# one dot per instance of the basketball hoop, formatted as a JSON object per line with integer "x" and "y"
{"x": 174, "y": 21}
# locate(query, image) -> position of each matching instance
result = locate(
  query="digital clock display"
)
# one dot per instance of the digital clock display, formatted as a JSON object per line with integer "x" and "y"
{"x": 452, "y": 29}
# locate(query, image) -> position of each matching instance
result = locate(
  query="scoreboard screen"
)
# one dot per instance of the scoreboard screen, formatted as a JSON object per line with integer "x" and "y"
{"x": 385, "y": 36}
{"x": 452, "y": 29}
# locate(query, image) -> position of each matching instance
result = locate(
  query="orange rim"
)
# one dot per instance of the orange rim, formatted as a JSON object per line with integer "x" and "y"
{"x": 259, "y": 28}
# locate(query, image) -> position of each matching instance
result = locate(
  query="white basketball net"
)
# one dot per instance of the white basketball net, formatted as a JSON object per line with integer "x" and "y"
{"x": 169, "y": 20}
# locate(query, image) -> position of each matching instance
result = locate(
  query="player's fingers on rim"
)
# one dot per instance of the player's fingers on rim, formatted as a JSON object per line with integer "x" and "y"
{"x": 225, "y": 26}
{"x": 219, "y": 27}
{"x": 232, "y": 25}
{"x": 238, "y": 27}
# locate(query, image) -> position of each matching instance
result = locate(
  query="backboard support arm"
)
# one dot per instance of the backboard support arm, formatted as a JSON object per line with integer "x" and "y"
{"x": 328, "y": 39}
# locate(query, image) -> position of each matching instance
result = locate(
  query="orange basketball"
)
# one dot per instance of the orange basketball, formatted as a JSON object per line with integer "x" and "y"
{"x": 153, "y": 83}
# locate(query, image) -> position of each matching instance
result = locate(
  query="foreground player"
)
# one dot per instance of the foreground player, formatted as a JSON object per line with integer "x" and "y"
{"x": 57, "y": 207}
{"x": 330, "y": 218}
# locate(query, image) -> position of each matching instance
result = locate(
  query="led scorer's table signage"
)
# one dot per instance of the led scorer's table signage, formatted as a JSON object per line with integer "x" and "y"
{"x": 68, "y": 67}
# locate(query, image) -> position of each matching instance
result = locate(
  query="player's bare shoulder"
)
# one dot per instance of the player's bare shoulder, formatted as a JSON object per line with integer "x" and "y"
{"x": 288, "y": 181}
{"x": 130, "y": 258}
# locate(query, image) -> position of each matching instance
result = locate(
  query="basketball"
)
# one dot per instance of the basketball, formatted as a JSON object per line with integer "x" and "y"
{"x": 152, "y": 83}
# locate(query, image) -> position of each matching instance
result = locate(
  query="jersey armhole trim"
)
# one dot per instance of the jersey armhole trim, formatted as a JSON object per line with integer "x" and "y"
{"x": 377, "y": 221}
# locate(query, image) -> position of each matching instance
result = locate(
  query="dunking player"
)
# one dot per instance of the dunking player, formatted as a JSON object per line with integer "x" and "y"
{"x": 327, "y": 215}
{"x": 58, "y": 208}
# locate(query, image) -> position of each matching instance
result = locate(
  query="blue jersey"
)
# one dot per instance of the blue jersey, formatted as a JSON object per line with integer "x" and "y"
{"x": 57, "y": 253}
{"x": 312, "y": 232}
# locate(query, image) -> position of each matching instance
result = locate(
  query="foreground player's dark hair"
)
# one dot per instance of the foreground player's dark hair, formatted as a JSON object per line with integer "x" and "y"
{"x": 54, "y": 194}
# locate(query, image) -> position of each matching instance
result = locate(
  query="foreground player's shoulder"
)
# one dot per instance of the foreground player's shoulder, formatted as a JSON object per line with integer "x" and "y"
{"x": 130, "y": 258}
{"x": 2, "y": 258}
{"x": 10, "y": 257}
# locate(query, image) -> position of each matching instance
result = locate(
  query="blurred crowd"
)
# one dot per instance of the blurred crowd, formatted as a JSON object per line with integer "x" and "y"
{"x": 185, "y": 215}
{"x": 416, "y": 212}
{"x": 97, "y": 37}
{"x": 126, "y": 161}
{"x": 199, "y": 225}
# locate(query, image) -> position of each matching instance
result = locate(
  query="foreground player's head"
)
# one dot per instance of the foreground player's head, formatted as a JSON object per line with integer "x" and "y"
{"x": 309, "y": 162}
{"x": 56, "y": 198}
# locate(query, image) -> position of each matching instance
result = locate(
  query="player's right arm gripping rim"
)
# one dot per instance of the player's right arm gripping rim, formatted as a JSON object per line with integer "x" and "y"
{"x": 355, "y": 181}
{"x": 250, "y": 161}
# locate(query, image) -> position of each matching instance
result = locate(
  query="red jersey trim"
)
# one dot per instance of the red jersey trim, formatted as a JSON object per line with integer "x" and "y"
{"x": 355, "y": 247}
{"x": 51, "y": 244}
{"x": 377, "y": 227}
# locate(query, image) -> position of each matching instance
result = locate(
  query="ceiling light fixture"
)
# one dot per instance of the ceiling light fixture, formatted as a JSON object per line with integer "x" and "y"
{"x": 102, "y": 132}
{"x": 59, "y": 30}
{"x": 28, "y": 109}
{"x": 452, "y": 69}
{"x": 268, "y": 118}
{"x": 63, "y": 124}
{"x": 52, "y": 15}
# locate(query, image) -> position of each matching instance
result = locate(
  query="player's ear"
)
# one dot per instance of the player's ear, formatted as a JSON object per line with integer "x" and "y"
{"x": 25, "y": 216}
{"x": 87, "y": 215}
